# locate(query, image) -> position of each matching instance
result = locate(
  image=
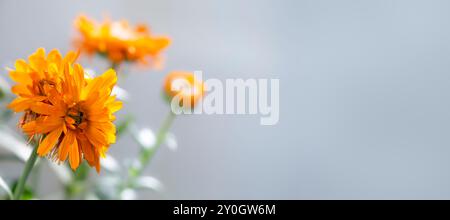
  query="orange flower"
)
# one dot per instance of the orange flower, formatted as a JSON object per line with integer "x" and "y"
{"x": 74, "y": 115}
{"x": 119, "y": 42}
{"x": 35, "y": 77}
{"x": 185, "y": 86}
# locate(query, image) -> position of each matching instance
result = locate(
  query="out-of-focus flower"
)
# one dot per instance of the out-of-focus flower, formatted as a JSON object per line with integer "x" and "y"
{"x": 119, "y": 41}
{"x": 73, "y": 114}
{"x": 185, "y": 86}
{"x": 35, "y": 78}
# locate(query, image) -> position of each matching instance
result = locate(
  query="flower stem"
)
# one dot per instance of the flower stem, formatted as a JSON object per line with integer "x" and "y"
{"x": 26, "y": 172}
{"x": 114, "y": 66}
{"x": 147, "y": 154}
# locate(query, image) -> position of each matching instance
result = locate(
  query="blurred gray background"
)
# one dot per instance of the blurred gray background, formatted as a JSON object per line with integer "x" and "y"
{"x": 364, "y": 87}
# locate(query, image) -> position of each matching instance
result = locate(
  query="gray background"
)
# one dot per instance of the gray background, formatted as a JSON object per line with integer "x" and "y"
{"x": 364, "y": 93}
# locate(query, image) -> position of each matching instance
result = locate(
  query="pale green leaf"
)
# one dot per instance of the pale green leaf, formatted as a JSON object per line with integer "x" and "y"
{"x": 110, "y": 164}
{"x": 5, "y": 187}
{"x": 149, "y": 182}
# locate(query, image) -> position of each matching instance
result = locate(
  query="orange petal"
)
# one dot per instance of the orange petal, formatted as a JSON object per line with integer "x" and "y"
{"x": 30, "y": 128}
{"x": 65, "y": 145}
{"x": 20, "y": 77}
{"x": 45, "y": 109}
{"x": 20, "y": 104}
{"x": 55, "y": 57}
{"x": 96, "y": 137}
{"x": 49, "y": 123}
{"x": 114, "y": 106}
{"x": 42, "y": 125}
{"x": 38, "y": 61}
{"x": 71, "y": 56}
{"x": 21, "y": 65}
{"x": 106, "y": 80}
{"x": 74, "y": 155}
{"x": 49, "y": 142}
{"x": 21, "y": 90}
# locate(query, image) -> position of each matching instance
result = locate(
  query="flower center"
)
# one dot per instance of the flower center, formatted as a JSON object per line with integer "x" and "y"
{"x": 75, "y": 118}
{"x": 42, "y": 84}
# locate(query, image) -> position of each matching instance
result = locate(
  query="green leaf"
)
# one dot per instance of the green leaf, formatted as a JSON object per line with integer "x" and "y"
{"x": 171, "y": 141}
{"x": 2, "y": 94}
{"x": 28, "y": 193}
{"x": 128, "y": 194}
{"x": 5, "y": 187}
{"x": 110, "y": 164}
{"x": 149, "y": 182}
{"x": 145, "y": 137}
{"x": 82, "y": 172}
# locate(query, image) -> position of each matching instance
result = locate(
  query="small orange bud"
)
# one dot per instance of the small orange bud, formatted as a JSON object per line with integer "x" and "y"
{"x": 185, "y": 87}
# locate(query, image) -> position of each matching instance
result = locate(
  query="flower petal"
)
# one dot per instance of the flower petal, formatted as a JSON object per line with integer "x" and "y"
{"x": 74, "y": 155}
{"x": 66, "y": 144}
{"x": 49, "y": 142}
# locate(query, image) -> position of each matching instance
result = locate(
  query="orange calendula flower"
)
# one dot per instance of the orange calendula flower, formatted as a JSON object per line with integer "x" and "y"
{"x": 75, "y": 116}
{"x": 185, "y": 87}
{"x": 119, "y": 41}
{"x": 35, "y": 77}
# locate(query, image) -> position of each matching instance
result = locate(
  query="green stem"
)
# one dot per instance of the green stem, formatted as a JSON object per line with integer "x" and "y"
{"x": 114, "y": 66}
{"x": 35, "y": 176}
{"x": 118, "y": 68}
{"x": 147, "y": 154}
{"x": 26, "y": 172}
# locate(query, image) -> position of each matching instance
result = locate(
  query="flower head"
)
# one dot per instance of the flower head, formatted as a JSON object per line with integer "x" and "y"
{"x": 74, "y": 116}
{"x": 184, "y": 86}
{"x": 119, "y": 42}
{"x": 35, "y": 77}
